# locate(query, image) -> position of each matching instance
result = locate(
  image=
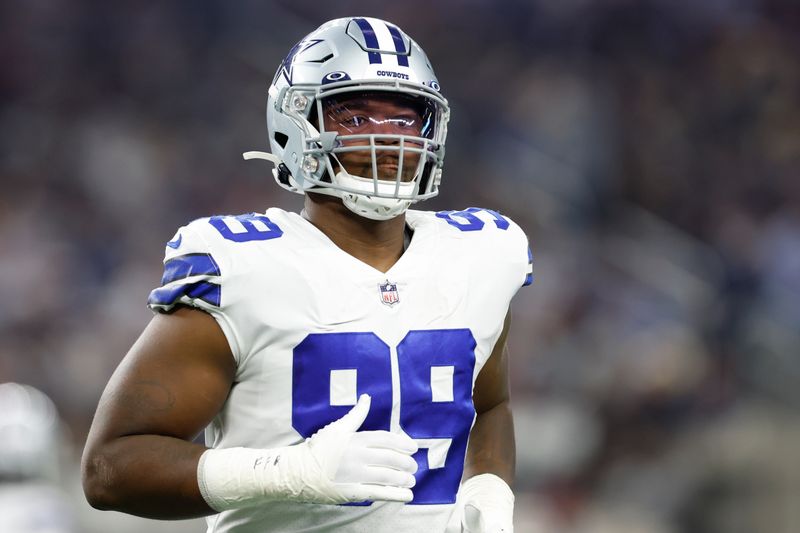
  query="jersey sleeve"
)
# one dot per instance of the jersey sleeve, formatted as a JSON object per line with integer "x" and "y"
{"x": 195, "y": 275}
{"x": 497, "y": 242}
{"x": 191, "y": 275}
{"x": 516, "y": 253}
{"x": 528, "y": 268}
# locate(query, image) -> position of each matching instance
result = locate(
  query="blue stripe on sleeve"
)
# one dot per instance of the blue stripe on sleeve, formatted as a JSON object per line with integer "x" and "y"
{"x": 529, "y": 277}
{"x": 187, "y": 265}
{"x": 370, "y": 39}
{"x": 399, "y": 45}
{"x": 210, "y": 293}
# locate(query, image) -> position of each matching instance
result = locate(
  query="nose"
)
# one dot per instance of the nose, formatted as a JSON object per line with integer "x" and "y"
{"x": 387, "y": 127}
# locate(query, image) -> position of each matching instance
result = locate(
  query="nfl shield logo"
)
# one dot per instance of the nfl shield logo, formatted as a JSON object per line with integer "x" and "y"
{"x": 389, "y": 294}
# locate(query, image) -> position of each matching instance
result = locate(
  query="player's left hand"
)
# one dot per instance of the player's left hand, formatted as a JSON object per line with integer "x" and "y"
{"x": 470, "y": 519}
{"x": 476, "y": 521}
{"x": 485, "y": 504}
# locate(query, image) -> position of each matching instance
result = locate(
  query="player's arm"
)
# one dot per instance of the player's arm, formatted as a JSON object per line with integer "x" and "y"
{"x": 139, "y": 457}
{"x": 485, "y": 503}
{"x": 491, "y": 443}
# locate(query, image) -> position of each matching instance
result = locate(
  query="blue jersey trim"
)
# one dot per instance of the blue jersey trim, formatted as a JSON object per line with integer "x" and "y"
{"x": 187, "y": 265}
{"x": 176, "y": 243}
{"x": 211, "y": 293}
{"x": 529, "y": 277}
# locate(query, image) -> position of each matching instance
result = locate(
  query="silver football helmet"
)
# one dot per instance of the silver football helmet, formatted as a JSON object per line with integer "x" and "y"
{"x": 355, "y": 111}
{"x": 29, "y": 433}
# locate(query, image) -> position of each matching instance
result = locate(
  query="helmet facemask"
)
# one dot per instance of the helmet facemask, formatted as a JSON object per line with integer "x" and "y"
{"x": 376, "y": 147}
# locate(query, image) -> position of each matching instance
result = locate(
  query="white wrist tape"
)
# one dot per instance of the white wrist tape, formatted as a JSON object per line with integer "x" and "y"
{"x": 485, "y": 504}
{"x": 336, "y": 465}
{"x": 239, "y": 477}
{"x": 487, "y": 489}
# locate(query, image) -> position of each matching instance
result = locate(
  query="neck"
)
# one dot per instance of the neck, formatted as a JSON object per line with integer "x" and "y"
{"x": 378, "y": 243}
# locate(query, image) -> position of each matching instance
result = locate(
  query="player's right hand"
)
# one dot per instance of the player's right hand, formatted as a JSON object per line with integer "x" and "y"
{"x": 338, "y": 464}
{"x": 359, "y": 466}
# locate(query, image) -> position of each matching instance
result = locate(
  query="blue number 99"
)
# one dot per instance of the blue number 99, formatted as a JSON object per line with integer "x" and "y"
{"x": 435, "y": 369}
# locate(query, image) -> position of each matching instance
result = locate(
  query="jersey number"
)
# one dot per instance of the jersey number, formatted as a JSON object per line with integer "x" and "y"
{"x": 466, "y": 220}
{"x": 245, "y": 228}
{"x": 255, "y": 227}
{"x": 435, "y": 369}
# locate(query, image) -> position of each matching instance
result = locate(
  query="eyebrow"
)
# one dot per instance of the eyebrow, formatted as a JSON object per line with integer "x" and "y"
{"x": 360, "y": 103}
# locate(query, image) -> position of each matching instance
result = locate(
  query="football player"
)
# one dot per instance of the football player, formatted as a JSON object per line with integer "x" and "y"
{"x": 348, "y": 362}
{"x": 31, "y": 500}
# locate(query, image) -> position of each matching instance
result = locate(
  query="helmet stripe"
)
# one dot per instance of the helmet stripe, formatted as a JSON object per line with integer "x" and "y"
{"x": 399, "y": 45}
{"x": 370, "y": 39}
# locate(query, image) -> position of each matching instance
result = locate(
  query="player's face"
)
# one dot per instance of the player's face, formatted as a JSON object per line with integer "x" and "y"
{"x": 378, "y": 113}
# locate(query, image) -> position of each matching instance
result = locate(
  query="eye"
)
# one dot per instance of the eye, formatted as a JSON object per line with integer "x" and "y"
{"x": 353, "y": 121}
{"x": 406, "y": 121}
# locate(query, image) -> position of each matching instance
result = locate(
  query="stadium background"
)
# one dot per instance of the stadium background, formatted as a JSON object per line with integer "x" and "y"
{"x": 649, "y": 148}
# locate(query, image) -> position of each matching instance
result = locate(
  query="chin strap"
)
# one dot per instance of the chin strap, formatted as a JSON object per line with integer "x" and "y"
{"x": 290, "y": 184}
{"x": 266, "y": 156}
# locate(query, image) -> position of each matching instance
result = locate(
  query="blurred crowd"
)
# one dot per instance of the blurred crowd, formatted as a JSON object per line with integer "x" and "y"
{"x": 649, "y": 148}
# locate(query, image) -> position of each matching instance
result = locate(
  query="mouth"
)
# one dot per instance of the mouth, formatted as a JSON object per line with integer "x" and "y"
{"x": 388, "y": 164}
{"x": 390, "y": 158}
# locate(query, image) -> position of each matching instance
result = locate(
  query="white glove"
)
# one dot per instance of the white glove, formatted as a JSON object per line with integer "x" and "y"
{"x": 485, "y": 504}
{"x": 337, "y": 464}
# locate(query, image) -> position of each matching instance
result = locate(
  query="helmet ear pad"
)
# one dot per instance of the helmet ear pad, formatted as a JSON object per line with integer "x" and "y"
{"x": 283, "y": 174}
{"x": 313, "y": 119}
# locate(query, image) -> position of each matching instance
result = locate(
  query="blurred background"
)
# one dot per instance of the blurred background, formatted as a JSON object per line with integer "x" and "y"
{"x": 649, "y": 148}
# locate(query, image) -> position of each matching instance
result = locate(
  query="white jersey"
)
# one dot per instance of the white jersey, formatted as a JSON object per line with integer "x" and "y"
{"x": 311, "y": 328}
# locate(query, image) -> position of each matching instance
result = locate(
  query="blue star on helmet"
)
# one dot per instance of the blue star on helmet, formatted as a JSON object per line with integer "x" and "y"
{"x": 288, "y": 64}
